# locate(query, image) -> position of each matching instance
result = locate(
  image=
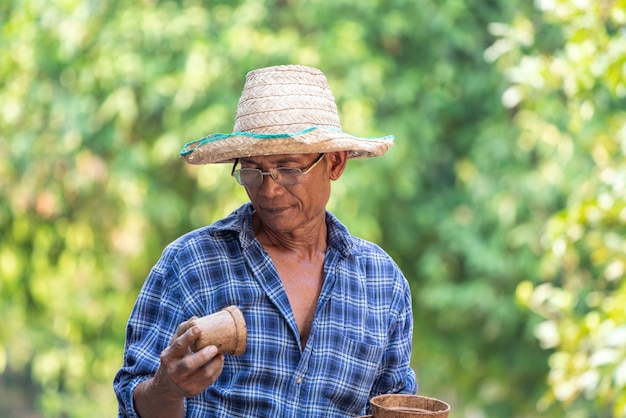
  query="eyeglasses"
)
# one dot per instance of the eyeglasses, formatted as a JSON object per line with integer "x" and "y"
{"x": 284, "y": 176}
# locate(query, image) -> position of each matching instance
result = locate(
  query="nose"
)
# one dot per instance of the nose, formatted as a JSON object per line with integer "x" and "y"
{"x": 269, "y": 186}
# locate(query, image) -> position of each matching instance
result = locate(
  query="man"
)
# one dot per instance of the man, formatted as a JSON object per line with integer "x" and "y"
{"x": 328, "y": 315}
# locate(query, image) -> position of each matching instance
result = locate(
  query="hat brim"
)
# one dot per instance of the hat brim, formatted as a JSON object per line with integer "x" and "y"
{"x": 226, "y": 148}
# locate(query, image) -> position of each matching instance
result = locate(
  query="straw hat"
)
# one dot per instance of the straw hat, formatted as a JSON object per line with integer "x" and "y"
{"x": 287, "y": 109}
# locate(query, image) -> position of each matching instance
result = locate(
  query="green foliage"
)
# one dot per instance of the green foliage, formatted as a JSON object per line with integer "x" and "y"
{"x": 478, "y": 202}
{"x": 571, "y": 112}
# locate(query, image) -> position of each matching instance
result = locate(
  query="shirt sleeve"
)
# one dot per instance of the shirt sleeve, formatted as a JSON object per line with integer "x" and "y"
{"x": 152, "y": 323}
{"x": 396, "y": 374}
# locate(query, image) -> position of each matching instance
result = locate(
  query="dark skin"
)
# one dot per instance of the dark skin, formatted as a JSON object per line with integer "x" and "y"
{"x": 290, "y": 223}
{"x": 181, "y": 374}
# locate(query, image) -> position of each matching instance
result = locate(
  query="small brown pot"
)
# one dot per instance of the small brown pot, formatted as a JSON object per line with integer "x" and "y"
{"x": 404, "y": 406}
{"x": 225, "y": 329}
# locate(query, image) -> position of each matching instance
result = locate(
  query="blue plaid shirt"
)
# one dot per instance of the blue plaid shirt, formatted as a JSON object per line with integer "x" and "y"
{"x": 360, "y": 340}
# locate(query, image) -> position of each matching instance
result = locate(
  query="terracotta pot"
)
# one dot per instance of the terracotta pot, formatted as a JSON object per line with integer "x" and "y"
{"x": 225, "y": 329}
{"x": 404, "y": 406}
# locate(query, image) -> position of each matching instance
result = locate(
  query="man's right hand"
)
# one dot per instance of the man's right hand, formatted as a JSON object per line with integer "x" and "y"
{"x": 181, "y": 374}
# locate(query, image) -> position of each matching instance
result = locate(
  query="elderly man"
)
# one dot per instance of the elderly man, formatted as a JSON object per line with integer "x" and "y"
{"x": 328, "y": 315}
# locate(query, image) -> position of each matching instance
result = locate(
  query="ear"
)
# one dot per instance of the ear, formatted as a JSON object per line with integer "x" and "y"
{"x": 337, "y": 163}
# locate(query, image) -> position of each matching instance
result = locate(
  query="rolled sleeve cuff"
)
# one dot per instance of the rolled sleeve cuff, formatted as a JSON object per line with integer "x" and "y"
{"x": 127, "y": 403}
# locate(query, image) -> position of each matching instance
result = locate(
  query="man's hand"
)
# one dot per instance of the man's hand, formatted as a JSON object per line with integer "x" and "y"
{"x": 181, "y": 374}
{"x": 185, "y": 374}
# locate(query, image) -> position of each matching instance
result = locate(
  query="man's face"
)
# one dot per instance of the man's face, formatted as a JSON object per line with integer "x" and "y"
{"x": 285, "y": 209}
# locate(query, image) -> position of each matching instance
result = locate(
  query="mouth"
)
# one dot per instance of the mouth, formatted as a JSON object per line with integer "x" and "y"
{"x": 276, "y": 210}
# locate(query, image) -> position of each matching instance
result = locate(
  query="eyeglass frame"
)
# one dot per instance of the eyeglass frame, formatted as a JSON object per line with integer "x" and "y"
{"x": 236, "y": 173}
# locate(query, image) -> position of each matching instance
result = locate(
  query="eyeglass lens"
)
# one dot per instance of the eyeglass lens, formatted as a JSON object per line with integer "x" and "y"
{"x": 285, "y": 176}
{"x": 252, "y": 177}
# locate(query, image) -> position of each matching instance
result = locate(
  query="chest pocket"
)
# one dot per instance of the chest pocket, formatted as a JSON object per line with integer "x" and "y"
{"x": 351, "y": 367}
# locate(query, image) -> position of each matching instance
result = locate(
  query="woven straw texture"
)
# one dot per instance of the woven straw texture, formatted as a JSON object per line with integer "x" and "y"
{"x": 285, "y": 109}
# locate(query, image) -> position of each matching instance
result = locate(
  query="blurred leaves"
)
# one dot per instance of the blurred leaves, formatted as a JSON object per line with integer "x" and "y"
{"x": 572, "y": 96}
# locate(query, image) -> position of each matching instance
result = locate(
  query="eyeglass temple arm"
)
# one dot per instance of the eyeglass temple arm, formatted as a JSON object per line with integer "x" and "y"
{"x": 232, "y": 172}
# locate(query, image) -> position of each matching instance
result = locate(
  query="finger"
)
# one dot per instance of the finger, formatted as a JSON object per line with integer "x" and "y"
{"x": 213, "y": 369}
{"x": 204, "y": 356}
{"x": 197, "y": 364}
{"x": 182, "y": 328}
{"x": 205, "y": 373}
{"x": 192, "y": 373}
{"x": 181, "y": 345}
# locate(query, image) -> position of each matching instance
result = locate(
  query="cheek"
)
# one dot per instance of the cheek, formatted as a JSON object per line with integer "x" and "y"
{"x": 319, "y": 196}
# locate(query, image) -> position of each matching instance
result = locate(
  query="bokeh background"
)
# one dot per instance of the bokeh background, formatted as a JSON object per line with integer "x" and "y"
{"x": 503, "y": 200}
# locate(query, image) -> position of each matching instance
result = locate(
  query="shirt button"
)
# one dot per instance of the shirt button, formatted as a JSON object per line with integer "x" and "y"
{"x": 299, "y": 380}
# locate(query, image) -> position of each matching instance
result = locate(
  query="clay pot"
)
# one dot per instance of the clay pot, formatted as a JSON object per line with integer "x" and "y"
{"x": 404, "y": 406}
{"x": 225, "y": 329}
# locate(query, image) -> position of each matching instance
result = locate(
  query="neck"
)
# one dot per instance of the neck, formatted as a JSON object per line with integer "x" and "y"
{"x": 307, "y": 242}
